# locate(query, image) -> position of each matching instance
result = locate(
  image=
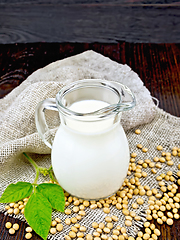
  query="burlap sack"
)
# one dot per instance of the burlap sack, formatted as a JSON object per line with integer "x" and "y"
{"x": 18, "y": 132}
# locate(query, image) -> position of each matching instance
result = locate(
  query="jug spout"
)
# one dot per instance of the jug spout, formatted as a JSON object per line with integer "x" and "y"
{"x": 126, "y": 101}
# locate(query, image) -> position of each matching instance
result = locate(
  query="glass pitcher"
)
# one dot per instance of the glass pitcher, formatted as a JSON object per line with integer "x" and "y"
{"x": 90, "y": 153}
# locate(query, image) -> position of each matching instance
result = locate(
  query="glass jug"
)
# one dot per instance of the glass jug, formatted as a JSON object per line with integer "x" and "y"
{"x": 90, "y": 153}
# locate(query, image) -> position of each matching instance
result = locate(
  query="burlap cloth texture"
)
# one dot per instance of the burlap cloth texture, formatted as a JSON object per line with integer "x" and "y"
{"x": 18, "y": 132}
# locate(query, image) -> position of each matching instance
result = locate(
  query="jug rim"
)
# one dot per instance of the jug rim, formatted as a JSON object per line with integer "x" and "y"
{"x": 104, "y": 112}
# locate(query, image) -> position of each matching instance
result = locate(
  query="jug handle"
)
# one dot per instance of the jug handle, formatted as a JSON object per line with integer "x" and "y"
{"x": 41, "y": 125}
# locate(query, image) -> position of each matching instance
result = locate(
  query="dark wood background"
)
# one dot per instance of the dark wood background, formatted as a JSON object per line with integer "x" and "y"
{"x": 105, "y": 21}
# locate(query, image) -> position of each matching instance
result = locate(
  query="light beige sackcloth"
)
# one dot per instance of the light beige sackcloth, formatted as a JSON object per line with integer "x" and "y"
{"x": 18, "y": 132}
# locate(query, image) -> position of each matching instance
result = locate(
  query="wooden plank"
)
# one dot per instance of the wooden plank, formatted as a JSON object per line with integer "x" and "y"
{"x": 53, "y": 22}
{"x": 95, "y": 2}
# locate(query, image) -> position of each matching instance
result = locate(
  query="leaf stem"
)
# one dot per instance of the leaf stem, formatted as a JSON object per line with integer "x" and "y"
{"x": 50, "y": 168}
{"x": 42, "y": 170}
{"x": 34, "y": 187}
{"x": 37, "y": 175}
{"x": 31, "y": 161}
{"x": 51, "y": 176}
{"x": 37, "y": 168}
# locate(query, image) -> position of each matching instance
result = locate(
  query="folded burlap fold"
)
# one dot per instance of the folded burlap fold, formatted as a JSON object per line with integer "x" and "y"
{"x": 17, "y": 124}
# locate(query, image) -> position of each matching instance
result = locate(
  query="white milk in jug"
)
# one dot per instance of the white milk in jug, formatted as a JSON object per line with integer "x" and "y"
{"x": 90, "y": 159}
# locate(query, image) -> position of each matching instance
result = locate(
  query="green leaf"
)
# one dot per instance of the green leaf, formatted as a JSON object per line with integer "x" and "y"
{"x": 54, "y": 193}
{"x": 38, "y": 212}
{"x": 16, "y": 192}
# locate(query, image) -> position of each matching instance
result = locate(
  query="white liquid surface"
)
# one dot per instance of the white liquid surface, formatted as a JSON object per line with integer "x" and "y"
{"x": 88, "y": 126}
{"x": 87, "y": 106}
{"x": 90, "y": 164}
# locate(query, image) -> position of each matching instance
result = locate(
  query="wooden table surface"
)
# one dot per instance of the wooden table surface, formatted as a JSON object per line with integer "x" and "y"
{"x": 158, "y": 65}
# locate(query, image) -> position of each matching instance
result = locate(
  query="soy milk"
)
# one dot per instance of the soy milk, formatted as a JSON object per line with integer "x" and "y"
{"x": 90, "y": 159}
{"x": 87, "y": 106}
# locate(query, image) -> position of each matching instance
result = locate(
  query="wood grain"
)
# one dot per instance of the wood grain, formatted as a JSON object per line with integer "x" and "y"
{"x": 158, "y": 65}
{"x": 89, "y": 21}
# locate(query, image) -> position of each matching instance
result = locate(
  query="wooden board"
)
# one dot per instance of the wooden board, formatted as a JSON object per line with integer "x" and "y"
{"x": 89, "y": 21}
